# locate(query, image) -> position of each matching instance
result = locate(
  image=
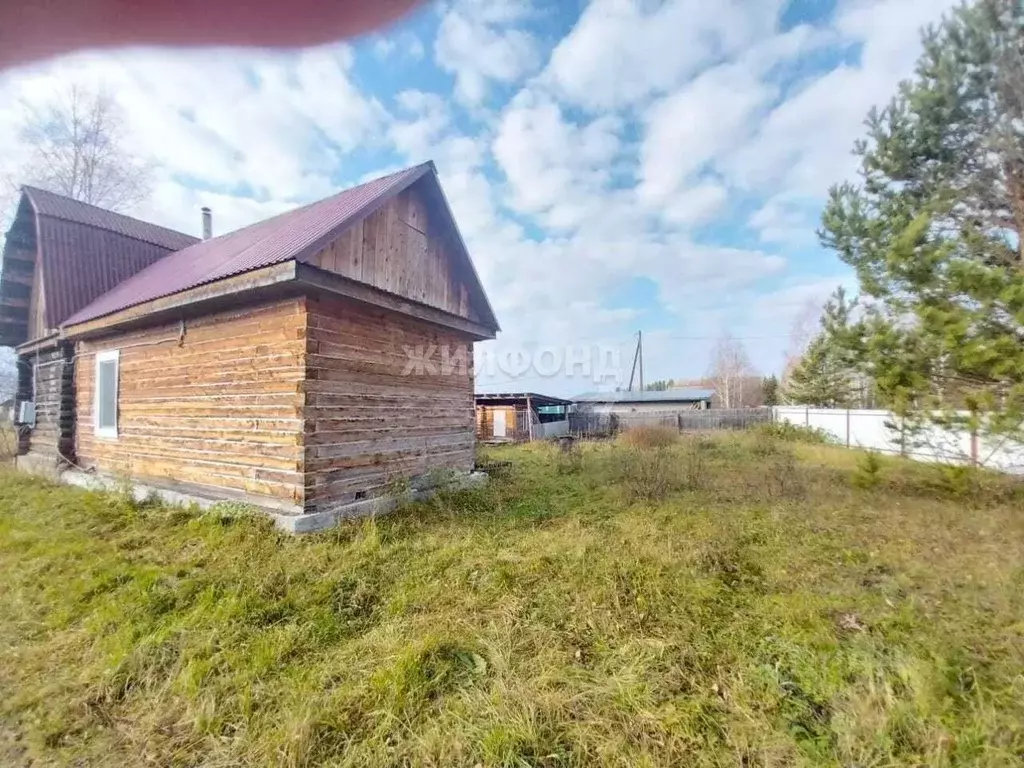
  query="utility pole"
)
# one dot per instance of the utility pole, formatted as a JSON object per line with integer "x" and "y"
{"x": 638, "y": 356}
{"x": 640, "y": 349}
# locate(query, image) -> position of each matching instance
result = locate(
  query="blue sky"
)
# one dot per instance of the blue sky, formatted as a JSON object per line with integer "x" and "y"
{"x": 613, "y": 165}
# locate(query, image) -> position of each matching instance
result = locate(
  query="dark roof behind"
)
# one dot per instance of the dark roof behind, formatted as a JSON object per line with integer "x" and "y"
{"x": 68, "y": 209}
{"x": 512, "y": 398}
{"x": 86, "y": 250}
{"x": 664, "y": 396}
{"x": 296, "y": 234}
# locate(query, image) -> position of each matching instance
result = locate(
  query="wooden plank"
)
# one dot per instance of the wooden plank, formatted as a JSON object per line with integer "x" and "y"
{"x": 397, "y": 249}
{"x": 318, "y": 278}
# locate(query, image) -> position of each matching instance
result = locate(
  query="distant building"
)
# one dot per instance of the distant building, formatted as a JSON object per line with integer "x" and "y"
{"x": 624, "y": 403}
{"x": 520, "y": 416}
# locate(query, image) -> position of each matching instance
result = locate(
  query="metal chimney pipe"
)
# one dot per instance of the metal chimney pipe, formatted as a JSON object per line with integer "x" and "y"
{"x": 207, "y": 223}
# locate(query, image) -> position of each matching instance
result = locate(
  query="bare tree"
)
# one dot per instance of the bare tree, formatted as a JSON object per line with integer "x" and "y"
{"x": 805, "y": 327}
{"x": 730, "y": 371}
{"x": 8, "y": 373}
{"x": 77, "y": 148}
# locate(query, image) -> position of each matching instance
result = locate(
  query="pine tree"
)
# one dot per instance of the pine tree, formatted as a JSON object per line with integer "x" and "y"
{"x": 770, "y": 390}
{"x": 818, "y": 379}
{"x": 824, "y": 376}
{"x": 934, "y": 229}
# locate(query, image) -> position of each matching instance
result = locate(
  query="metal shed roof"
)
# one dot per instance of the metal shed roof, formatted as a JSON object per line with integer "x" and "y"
{"x": 663, "y": 396}
{"x": 511, "y": 398}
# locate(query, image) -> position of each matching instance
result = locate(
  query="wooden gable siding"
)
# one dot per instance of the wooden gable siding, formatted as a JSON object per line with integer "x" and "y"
{"x": 370, "y": 421}
{"x": 400, "y": 248}
{"x": 37, "y": 304}
{"x": 221, "y": 406}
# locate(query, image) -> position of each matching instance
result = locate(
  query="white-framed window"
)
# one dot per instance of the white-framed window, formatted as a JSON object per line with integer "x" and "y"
{"x": 105, "y": 405}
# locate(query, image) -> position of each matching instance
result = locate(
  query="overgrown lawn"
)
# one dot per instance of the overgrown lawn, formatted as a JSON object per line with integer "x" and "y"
{"x": 759, "y": 606}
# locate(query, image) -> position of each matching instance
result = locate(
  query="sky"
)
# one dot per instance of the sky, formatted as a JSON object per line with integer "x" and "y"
{"x": 614, "y": 166}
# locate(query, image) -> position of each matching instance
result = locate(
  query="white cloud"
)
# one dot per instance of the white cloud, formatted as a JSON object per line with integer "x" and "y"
{"x": 384, "y": 47}
{"x": 272, "y": 124}
{"x": 784, "y": 219}
{"x": 406, "y": 44}
{"x": 805, "y": 144}
{"x": 424, "y": 118}
{"x": 695, "y": 125}
{"x": 621, "y": 51}
{"x": 479, "y": 41}
{"x": 556, "y": 169}
{"x": 696, "y": 205}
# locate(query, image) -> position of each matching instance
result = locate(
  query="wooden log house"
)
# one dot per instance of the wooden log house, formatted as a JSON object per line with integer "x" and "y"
{"x": 302, "y": 364}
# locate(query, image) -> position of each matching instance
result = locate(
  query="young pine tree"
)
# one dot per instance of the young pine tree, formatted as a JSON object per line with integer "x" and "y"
{"x": 824, "y": 376}
{"x": 770, "y": 390}
{"x": 934, "y": 229}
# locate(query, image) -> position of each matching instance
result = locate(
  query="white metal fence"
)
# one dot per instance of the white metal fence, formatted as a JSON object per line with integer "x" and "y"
{"x": 881, "y": 431}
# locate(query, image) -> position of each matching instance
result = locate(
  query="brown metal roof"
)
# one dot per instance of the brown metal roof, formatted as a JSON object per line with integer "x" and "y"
{"x": 296, "y": 234}
{"x": 68, "y": 209}
{"x": 86, "y": 250}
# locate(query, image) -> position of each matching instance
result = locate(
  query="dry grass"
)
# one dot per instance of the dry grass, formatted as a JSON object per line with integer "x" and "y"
{"x": 649, "y": 437}
{"x": 540, "y": 621}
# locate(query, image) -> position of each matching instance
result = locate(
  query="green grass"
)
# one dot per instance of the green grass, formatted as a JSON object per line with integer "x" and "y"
{"x": 759, "y": 609}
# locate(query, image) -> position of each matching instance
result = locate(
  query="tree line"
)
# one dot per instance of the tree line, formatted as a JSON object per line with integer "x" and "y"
{"x": 933, "y": 230}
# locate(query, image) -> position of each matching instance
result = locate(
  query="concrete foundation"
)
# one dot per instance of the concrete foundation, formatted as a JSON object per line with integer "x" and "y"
{"x": 38, "y": 464}
{"x": 289, "y": 517}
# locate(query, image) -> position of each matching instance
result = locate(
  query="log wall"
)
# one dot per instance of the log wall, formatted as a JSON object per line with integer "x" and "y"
{"x": 220, "y": 405}
{"x": 308, "y": 401}
{"x": 50, "y": 375}
{"x": 368, "y": 419}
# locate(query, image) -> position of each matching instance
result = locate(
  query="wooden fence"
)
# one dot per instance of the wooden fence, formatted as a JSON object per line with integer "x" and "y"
{"x": 590, "y": 424}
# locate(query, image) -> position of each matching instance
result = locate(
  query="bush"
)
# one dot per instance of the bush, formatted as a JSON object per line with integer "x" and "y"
{"x": 793, "y": 433}
{"x": 783, "y": 477}
{"x": 765, "y": 445}
{"x": 958, "y": 480}
{"x": 650, "y": 437}
{"x": 695, "y": 468}
{"x": 646, "y": 474}
{"x": 569, "y": 459}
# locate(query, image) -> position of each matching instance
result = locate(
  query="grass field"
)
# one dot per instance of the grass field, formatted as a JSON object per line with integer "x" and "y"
{"x": 737, "y": 601}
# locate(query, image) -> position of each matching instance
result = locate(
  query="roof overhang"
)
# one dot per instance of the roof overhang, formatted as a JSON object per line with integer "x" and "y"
{"x": 38, "y": 345}
{"x": 289, "y": 278}
{"x": 316, "y": 279}
{"x": 518, "y": 398}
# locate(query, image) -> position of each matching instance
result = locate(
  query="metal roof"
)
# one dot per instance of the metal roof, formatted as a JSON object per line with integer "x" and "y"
{"x": 86, "y": 250}
{"x": 58, "y": 206}
{"x": 298, "y": 234}
{"x": 664, "y": 396}
{"x": 499, "y": 398}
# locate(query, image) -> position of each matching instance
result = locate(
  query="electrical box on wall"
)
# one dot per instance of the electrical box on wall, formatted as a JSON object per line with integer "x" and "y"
{"x": 27, "y": 413}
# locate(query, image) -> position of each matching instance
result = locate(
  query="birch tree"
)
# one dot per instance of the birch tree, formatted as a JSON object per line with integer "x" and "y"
{"x": 730, "y": 370}
{"x": 78, "y": 146}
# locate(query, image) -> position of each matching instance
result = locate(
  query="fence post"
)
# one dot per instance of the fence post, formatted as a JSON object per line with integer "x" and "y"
{"x": 974, "y": 447}
{"x": 847, "y": 427}
{"x": 807, "y": 415}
